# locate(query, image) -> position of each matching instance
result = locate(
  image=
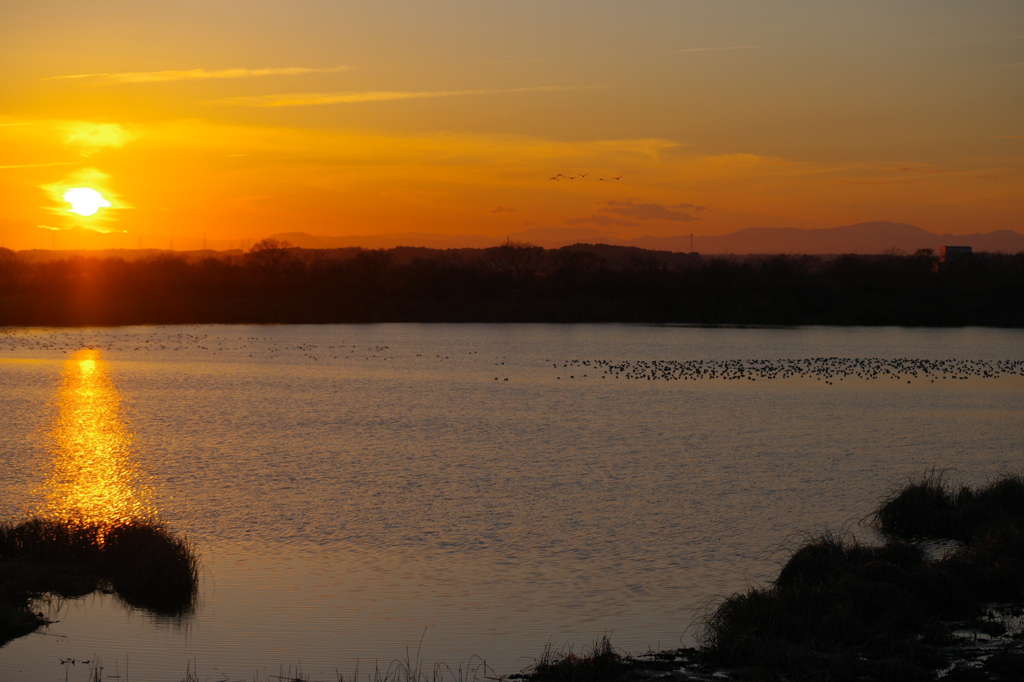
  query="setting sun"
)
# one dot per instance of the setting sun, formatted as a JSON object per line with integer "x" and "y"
{"x": 85, "y": 201}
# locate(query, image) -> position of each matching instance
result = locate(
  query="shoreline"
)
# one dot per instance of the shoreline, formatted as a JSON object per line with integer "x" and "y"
{"x": 838, "y": 609}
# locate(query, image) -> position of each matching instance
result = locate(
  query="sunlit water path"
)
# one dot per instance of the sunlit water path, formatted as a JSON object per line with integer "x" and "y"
{"x": 94, "y": 477}
{"x": 494, "y": 487}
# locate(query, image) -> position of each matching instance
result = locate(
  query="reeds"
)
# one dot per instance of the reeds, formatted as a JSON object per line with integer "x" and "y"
{"x": 842, "y": 610}
{"x": 142, "y": 563}
{"x": 600, "y": 662}
{"x": 838, "y": 610}
{"x": 933, "y": 508}
{"x": 150, "y": 568}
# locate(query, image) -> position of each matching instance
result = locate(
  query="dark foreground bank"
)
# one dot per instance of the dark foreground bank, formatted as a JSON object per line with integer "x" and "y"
{"x": 140, "y": 562}
{"x": 842, "y": 610}
{"x": 942, "y": 598}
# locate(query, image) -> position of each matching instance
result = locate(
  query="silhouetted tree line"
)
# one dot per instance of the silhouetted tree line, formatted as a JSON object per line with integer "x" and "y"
{"x": 514, "y": 282}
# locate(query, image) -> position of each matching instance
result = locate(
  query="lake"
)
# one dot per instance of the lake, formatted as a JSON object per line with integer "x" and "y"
{"x": 474, "y": 492}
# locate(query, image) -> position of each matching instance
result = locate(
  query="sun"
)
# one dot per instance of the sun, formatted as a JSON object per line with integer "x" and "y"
{"x": 85, "y": 200}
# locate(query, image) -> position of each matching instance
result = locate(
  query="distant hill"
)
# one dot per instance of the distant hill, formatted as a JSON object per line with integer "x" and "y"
{"x": 863, "y": 238}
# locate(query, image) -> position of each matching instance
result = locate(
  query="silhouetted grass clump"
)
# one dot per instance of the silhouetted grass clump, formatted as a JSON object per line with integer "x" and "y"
{"x": 600, "y": 662}
{"x": 838, "y": 610}
{"x": 142, "y": 563}
{"x": 933, "y": 508}
{"x": 842, "y": 610}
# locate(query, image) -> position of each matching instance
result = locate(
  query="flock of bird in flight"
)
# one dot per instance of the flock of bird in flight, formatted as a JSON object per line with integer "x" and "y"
{"x": 560, "y": 177}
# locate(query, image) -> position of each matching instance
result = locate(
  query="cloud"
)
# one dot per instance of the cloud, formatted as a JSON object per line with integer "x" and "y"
{"x": 602, "y": 220}
{"x": 502, "y": 209}
{"x": 37, "y": 165}
{"x": 321, "y": 98}
{"x": 522, "y": 61}
{"x": 631, "y": 209}
{"x": 626, "y": 213}
{"x": 8, "y": 125}
{"x": 908, "y": 169}
{"x": 719, "y": 49}
{"x": 196, "y": 74}
{"x": 93, "y": 228}
{"x": 862, "y": 182}
{"x": 89, "y": 138}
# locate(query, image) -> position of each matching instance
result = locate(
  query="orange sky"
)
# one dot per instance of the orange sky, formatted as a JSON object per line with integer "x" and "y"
{"x": 237, "y": 120}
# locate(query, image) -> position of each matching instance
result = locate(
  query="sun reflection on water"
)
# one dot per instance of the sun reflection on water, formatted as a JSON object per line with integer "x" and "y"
{"x": 94, "y": 478}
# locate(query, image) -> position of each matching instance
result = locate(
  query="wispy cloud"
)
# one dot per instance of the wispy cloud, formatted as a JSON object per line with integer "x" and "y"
{"x": 8, "y": 125}
{"x": 93, "y": 228}
{"x": 525, "y": 60}
{"x": 602, "y": 220}
{"x": 37, "y": 165}
{"x": 910, "y": 169}
{"x": 631, "y": 209}
{"x": 502, "y": 209}
{"x": 309, "y": 99}
{"x": 626, "y": 213}
{"x": 89, "y": 138}
{"x": 719, "y": 49}
{"x": 961, "y": 41}
{"x": 862, "y": 182}
{"x": 196, "y": 74}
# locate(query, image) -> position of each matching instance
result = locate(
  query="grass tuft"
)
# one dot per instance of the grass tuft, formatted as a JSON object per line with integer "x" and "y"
{"x": 843, "y": 610}
{"x": 838, "y": 610}
{"x": 933, "y": 508}
{"x": 144, "y": 564}
{"x": 599, "y": 662}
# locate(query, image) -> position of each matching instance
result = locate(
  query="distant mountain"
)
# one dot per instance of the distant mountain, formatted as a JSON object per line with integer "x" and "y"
{"x": 864, "y": 238}
{"x": 555, "y": 237}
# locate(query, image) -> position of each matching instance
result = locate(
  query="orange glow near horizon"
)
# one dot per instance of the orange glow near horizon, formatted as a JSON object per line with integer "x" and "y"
{"x": 94, "y": 479}
{"x": 338, "y": 120}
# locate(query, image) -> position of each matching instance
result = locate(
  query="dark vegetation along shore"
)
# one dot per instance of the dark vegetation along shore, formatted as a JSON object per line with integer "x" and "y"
{"x": 941, "y": 599}
{"x": 516, "y": 282}
{"x": 843, "y": 610}
{"x": 142, "y": 563}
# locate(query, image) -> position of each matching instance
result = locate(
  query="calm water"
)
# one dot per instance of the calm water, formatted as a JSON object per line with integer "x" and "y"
{"x": 357, "y": 489}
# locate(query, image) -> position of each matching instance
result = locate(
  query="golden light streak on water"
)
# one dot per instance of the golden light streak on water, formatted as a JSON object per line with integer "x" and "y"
{"x": 94, "y": 478}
